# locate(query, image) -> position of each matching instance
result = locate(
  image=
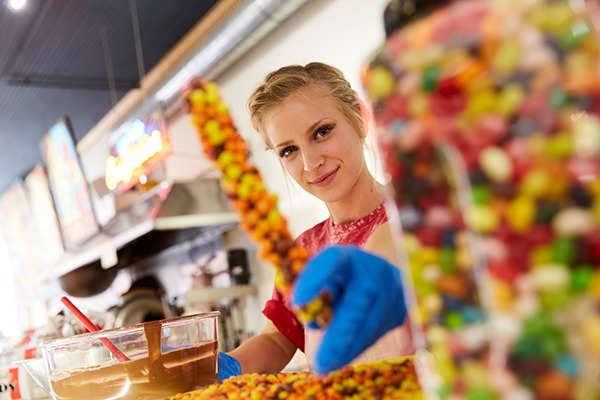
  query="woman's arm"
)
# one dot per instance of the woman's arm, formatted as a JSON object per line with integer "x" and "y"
{"x": 267, "y": 352}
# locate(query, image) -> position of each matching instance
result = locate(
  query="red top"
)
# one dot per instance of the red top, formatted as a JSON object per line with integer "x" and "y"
{"x": 325, "y": 233}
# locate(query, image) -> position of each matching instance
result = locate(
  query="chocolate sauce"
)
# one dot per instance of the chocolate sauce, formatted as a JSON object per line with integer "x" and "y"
{"x": 156, "y": 376}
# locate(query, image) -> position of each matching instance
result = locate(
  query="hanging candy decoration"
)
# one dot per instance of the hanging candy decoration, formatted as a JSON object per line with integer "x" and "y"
{"x": 242, "y": 182}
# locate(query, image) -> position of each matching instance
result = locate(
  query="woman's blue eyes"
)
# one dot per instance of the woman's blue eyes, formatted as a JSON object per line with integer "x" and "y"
{"x": 286, "y": 152}
{"x": 322, "y": 131}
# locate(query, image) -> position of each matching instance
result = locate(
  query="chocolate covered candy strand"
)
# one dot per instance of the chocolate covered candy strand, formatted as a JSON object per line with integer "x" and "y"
{"x": 489, "y": 122}
{"x": 256, "y": 207}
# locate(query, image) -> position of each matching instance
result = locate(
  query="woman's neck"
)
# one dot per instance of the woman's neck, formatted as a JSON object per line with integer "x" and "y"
{"x": 365, "y": 197}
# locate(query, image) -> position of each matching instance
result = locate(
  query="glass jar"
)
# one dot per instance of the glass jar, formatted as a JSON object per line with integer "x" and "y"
{"x": 488, "y": 123}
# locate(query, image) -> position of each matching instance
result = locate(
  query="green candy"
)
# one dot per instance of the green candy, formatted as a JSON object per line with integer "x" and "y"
{"x": 546, "y": 212}
{"x": 526, "y": 347}
{"x": 552, "y": 346}
{"x": 448, "y": 259}
{"x": 430, "y": 78}
{"x": 563, "y": 250}
{"x": 537, "y": 326}
{"x": 453, "y": 320}
{"x": 576, "y": 34}
{"x": 480, "y": 393}
{"x": 554, "y": 300}
{"x": 481, "y": 194}
{"x": 559, "y": 98}
{"x": 581, "y": 279}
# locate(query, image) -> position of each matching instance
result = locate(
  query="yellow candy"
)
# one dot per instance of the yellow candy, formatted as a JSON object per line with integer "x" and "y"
{"x": 431, "y": 304}
{"x": 481, "y": 103}
{"x": 595, "y": 287}
{"x": 536, "y": 183}
{"x": 475, "y": 374}
{"x": 482, "y": 218}
{"x": 507, "y": 57}
{"x": 197, "y": 97}
{"x": 464, "y": 258}
{"x": 590, "y": 329}
{"x": 540, "y": 255}
{"x": 429, "y": 255}
{"x": 560, "y": 146}
{"x": 444, "y": 363}
{"x": 503, "y": 295}
{"x": 381, "y": 83}
{"x": 520, "y": 213}
{"x": 418, "y": 104}
{"x": 510, "y": 99}
{"x": 596, "y": 210}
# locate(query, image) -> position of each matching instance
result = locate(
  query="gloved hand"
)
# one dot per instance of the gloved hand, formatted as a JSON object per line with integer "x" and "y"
{"x": 228, "y": 366}
{"x": 368, "y": 301}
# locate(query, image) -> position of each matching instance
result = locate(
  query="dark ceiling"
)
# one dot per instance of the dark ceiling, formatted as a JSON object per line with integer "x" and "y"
{"x": 77, "y": 58}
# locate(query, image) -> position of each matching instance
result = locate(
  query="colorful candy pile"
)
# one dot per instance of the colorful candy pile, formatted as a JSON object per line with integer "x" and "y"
{"x": 244, "y": 185}
{"x": 489, "y": 113}
{"x": 394, "y": 379}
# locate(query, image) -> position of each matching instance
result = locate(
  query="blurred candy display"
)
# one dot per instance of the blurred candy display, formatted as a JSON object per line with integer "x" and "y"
{"x": 488, "y": 120}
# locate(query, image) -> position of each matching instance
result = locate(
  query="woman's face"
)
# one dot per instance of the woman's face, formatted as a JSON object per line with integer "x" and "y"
{"x": 317, "y": 145}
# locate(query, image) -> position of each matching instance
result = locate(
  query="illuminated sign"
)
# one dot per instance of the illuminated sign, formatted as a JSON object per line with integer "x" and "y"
{"x": 136, "y": 152}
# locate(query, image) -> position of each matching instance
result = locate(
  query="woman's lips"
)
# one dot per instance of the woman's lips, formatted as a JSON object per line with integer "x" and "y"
{"x": 325, "y": 179}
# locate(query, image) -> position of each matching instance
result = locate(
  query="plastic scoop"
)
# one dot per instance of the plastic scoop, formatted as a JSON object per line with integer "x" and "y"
{"x": 93, "y": 328}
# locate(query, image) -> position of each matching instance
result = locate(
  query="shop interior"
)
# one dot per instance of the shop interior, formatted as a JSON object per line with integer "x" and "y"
{"x": 129, "y": 218}
{"x": 166, "y": 242}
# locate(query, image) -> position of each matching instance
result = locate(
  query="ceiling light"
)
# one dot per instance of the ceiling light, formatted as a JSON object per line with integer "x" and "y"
{"x": 16, "y": 5}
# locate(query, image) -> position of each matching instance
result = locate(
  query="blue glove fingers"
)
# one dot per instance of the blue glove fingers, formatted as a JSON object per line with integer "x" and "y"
{"x": 228, "y": 366}
{"x": 321, "y": 273}
{"x": 351, "y": 328}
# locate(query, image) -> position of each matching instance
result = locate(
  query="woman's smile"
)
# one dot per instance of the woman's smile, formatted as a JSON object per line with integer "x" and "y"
{"x": 325, "y": 179}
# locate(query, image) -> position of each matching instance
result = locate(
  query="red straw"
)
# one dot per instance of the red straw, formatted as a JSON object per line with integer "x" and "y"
{"x": 93, "y": 328}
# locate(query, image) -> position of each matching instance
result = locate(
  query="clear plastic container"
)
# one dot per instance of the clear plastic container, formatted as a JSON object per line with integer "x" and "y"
{"x": 488, "y": 121}
{"x": 166, "y": 357}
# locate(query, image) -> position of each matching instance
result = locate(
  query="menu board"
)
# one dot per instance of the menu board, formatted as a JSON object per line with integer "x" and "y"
{"x": 49, "y": 239}
{"x": 68, "y": 185}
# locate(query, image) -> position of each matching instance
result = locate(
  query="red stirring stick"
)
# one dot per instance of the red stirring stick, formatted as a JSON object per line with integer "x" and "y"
{"x": 93, "y": 328}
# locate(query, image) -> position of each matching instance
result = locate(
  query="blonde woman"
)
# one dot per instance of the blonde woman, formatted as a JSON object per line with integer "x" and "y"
{"x": 311, "y": 118}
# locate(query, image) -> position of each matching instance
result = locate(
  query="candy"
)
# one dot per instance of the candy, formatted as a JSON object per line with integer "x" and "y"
{"x": 508, "y": 120}
{"x": 496, "y": 164}
{"x": 392, "y": 379}
{"x": 244, "y": 185}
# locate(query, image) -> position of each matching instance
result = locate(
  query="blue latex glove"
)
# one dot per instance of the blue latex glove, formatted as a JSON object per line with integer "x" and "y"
{"x": 228, "y": 366}
{"x": 368, "y": 301}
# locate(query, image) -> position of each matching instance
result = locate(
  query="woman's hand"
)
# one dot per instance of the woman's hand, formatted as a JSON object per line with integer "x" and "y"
{"x": 368, "y": 301}
{"x": 228, "y": 366}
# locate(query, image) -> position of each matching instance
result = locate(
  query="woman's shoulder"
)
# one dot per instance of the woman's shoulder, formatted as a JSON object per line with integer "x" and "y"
{"x": 313, "y": 238}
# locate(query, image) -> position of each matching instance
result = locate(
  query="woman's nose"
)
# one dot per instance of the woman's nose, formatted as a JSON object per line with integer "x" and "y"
{"x": 312, "y": 161}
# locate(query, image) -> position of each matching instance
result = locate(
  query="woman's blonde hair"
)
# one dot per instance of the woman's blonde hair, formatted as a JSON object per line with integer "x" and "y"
{"x": 280, "y": 84}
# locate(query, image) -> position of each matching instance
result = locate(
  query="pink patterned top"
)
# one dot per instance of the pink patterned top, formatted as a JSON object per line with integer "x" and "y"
{"x": 395, "y": 343}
